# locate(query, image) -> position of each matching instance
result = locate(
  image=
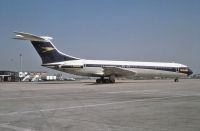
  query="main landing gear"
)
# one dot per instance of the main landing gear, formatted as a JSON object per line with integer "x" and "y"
{"x": 102, "y": 80}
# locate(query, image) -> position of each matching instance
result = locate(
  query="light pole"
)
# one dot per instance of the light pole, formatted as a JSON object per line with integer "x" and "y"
{"x": 20, "y": 55}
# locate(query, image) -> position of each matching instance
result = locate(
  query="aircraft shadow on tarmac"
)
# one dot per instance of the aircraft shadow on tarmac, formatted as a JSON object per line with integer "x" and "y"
{"x": 121, "y": 82}
{"x": 94, "y": 83}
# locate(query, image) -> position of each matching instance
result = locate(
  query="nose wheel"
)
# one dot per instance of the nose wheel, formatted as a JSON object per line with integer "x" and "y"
{"x": 176, "y": 80}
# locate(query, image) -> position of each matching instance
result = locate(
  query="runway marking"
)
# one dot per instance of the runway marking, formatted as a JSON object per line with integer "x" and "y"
{"x": 6, "y": 125}
{"x": 117, "y": 92}
{"x": 139, "y": 91}
{"x": 84, "y": 106}
{"x": 28, "y": 97}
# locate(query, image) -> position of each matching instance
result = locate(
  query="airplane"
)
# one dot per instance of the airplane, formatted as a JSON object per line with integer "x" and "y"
{"x": 105, "y": 70}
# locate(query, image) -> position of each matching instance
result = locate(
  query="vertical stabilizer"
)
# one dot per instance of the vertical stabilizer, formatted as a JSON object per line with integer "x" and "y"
{"x": 45, "y": 48}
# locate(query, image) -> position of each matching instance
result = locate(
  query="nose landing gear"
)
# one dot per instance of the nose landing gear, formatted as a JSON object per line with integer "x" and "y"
{"x": 176, "y": 80}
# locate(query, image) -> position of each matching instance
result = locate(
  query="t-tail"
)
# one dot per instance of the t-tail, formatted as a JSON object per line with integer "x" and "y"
{"x": 45, "y": 48}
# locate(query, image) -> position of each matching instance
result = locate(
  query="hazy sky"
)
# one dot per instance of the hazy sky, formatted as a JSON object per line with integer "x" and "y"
{"x": 138, "y": 30}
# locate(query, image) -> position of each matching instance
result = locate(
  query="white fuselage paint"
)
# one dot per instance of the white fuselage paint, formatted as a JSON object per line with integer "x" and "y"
{"x": 98, "y": 71}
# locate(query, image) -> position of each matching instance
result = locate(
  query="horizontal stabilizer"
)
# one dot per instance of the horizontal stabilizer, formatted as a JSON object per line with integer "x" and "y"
{"x": 31, "y": 37}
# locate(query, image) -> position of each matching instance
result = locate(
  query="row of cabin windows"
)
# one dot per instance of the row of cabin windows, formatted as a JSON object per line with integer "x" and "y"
{"x": 132, "y": 66}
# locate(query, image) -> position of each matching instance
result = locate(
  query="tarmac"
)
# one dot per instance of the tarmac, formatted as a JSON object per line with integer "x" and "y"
{"x": 137, "y": 105}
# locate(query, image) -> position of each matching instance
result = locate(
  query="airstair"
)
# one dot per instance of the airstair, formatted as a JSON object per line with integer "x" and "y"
{"x": 30, "y": 76}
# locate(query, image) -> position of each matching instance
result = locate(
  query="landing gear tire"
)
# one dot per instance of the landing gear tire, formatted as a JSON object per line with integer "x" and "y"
{"x": 106, "y": 81}
{"x": 112, "y": 79}
{"x": 99, "y": 81}
{"x": 176, "y": 80}
{"x": 102, "y": 80}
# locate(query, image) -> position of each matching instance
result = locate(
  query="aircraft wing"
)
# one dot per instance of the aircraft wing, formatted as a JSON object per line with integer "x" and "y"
{"x": 118, "y": 71}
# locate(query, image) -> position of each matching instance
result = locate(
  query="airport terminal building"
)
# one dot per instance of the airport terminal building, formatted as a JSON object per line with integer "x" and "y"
{"x": 9, "y": 76}
{"x": 28, "y": 76}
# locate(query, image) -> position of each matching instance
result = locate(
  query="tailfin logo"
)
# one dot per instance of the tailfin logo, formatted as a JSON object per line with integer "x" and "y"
{"x": 47, "y": 49}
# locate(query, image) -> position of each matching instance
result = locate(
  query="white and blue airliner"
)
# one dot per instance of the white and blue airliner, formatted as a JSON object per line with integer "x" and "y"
{"x": 105, "y": 70}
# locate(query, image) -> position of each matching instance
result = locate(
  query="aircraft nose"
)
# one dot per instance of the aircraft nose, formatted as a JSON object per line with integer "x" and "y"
{"x": 189, "y": 72}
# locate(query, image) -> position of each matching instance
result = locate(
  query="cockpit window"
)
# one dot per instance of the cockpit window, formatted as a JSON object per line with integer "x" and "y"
{"x": 183, "y": 69}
